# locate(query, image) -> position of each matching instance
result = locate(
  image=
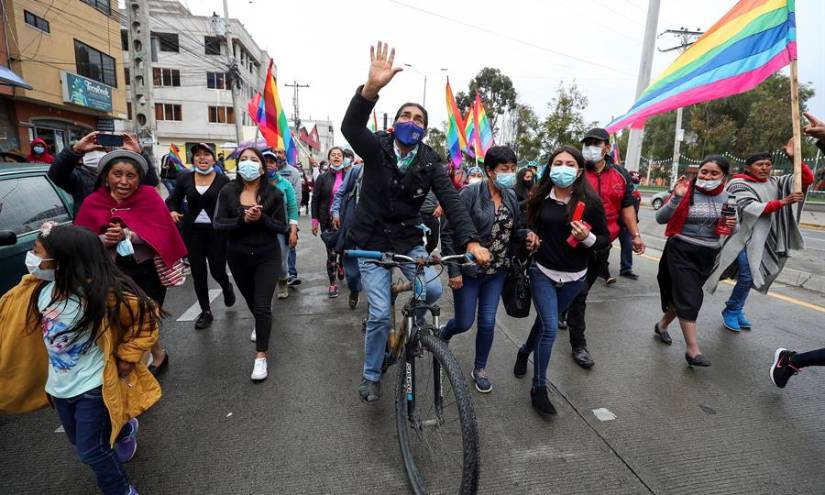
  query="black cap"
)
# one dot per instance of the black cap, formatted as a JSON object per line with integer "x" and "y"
{"x": 597, "y": 133}
{"x": 201, "y": 146}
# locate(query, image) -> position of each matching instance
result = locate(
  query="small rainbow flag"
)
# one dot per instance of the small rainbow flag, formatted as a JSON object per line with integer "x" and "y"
{"x": 484, "y": 135}
{"x": 176, "y": 157}
{"x": 470, "y": 135}
{"x": 456, "y": 137}
{"x": 753, "y": 40}
{"x": 373, "y": 126}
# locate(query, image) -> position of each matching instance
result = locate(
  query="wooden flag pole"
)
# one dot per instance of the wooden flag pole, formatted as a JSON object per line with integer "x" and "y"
{"x": 797, "y": 129}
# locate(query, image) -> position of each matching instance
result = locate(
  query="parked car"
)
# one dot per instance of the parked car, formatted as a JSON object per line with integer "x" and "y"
{"x": 27, "y": 199}
{"x": 658, "y": 199}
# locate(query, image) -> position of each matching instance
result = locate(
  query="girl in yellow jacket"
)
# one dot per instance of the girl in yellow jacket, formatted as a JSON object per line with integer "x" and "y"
{"x": 72, "y": 334}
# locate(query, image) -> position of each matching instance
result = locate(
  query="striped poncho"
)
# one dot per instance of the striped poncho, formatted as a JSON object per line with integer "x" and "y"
{"x": 768, "y": 239}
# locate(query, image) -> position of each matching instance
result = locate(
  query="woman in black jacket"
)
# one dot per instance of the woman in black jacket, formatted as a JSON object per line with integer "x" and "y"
{"x": 562, "y": 247}
{"x": 325, "y": 187}
{"x": 253, "y": 213}
{"x": 524, "y": 184}
{"x": 495, "y": 213}
{"x": 200, "y": 188}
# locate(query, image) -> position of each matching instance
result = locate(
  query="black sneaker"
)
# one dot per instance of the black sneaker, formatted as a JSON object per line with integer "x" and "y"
{"x": 782, "y": 370}
{"x": 204, "y": 320}
{"x": 353, "y": 300}
{"x": 541, "y": 402}
{"x": 229, "y": 296}
{"x": 293, "y": 281}
{"x": 369, "y": 391}
{"x": 520, "y": 369}
{"x": 630, "y": 275}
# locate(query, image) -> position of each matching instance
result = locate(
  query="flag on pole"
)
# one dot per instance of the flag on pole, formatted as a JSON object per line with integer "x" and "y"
{"x": 484, "y": 133}
{"x": 470, "y": 135}
{"x": 279, "y": 137}
{"x": 614, "y": 152}
{"x": 255, "y": 107}
{"x": 176, "y": 157}
{"x": 753, "y": 40}
{"x": 373, "y": 124}
{"x": 456, "y": 138}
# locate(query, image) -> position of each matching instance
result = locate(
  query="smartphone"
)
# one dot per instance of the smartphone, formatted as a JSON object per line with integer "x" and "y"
{"x": 109, "y": 140}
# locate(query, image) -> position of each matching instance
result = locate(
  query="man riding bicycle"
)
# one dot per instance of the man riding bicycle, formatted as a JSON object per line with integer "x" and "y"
{"x": 399, "y": 171}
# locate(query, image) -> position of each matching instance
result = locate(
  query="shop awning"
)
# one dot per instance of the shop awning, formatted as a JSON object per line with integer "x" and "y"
{"x": 11, "y": 79}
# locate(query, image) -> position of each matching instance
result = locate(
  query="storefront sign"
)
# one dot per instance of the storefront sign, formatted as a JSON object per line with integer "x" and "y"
{"x": 79, "y": 90}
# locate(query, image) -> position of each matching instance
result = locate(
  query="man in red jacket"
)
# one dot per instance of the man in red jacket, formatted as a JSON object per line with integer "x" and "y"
{"x": 616, "y": 191}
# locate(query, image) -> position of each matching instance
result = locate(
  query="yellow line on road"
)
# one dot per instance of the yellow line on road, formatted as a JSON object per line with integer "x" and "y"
{"x": 781, "y": 297}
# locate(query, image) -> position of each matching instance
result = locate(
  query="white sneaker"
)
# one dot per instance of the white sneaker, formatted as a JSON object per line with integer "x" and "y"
{"x": 259, "y": 371}
{"x": 254, "y": 336}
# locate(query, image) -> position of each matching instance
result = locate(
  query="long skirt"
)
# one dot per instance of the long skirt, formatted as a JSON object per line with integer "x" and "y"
{"x": 683, "y": 270}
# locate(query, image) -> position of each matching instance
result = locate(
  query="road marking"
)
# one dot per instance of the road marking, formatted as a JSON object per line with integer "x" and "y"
{"x": 195, "y": 309}
{"x": 603, "y": 414}
{"x": 60, "y": 429}
{"x": 781, "y": 297}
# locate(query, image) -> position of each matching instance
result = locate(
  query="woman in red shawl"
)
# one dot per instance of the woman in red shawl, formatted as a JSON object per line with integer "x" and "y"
{"x": 133, "y": 224}
{"x": 39, "y": 152}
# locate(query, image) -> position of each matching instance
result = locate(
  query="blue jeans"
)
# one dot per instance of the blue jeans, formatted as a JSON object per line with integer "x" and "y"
{"x": 743, "y": 284}
{"x": 482, "y": 292}
{"x": 293, "y": 270}
{"x": 377, "y": 282}
{"x": 549, "y": 299}
{"x": 170, "y": 185}
{"x": 353, "y": 274}
{"x": 86, "y": 421}
{"x": 284, "y": 268}
{"x": 626, "y": 243}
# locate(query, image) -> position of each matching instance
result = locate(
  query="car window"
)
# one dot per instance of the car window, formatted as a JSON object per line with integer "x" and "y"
{"x": 27, "y": 202}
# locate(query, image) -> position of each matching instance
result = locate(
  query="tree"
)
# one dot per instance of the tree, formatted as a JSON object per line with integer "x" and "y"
{"x": 565, "y": 124}
{"x": 437, "y": 140}
{"x": 527, "y": 136}
{"x": 497, "y": 94}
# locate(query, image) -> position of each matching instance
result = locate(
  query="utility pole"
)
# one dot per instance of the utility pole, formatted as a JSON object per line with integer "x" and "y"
{"x": 295, "y": 88}
{"x": 234, "y": 75}
{"x": 140, "y": 58}
{"x": 687, "y": 38}
{"x": 634, "y": 145}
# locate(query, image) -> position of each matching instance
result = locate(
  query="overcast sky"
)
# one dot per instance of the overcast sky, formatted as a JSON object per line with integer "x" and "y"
{"x": 325, "y": 44}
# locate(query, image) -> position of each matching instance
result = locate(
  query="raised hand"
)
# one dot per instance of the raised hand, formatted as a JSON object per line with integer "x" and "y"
{"x": 815, "y": 128}
{"x": 681, "y": 187}
{"x": 87, "y": 143}
{"x": 130, "y": 143}
{"x": 381, "y": 70}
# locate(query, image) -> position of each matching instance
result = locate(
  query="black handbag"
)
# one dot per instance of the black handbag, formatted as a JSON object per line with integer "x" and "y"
{"x": 516, "y": 294}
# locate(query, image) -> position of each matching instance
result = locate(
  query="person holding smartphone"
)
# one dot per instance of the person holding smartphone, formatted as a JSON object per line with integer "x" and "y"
{"x": 567, "y": 223}
{"x": 75, "y": 169}
{"x": 253, "y": 214}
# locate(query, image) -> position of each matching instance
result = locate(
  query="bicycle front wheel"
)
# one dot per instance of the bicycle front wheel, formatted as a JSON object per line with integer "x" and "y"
{"x": 435, "y": 420}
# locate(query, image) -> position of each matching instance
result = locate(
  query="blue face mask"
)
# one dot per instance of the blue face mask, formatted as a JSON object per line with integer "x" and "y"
{"x": 38, "y": 150}
{"x": 205, "y": 172}
{"x": 272, "y": 174}
{"x": 408, "y": 133}
{"x": 125, "y": 248}
{"x": 505, "y": 180}
{"x": 337, "y": 168}
{"x": 347, "y": 162}
{"x": 249, "y": 170}
{"x": 563, "y": 176}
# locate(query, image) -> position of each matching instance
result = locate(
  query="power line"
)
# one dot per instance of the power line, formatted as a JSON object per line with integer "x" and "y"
{"x": 511, "y": 38}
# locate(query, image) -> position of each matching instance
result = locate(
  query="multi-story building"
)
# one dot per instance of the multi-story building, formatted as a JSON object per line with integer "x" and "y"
{"x": 69, "y": 53}
{"x": 191, "y": 92}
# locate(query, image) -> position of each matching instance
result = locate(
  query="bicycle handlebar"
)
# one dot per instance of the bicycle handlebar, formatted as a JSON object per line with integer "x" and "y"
{"x": 400, "y": 258}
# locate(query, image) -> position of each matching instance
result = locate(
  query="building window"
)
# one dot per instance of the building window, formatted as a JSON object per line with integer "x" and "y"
{"x": 129, "y": 110}
{"x": 167, "y": 111}
{"x": 101, "y": 5}
{"x": 221, "y": 115}
{"x": 165, "y": 77}
{"x": 124, "y": 39}
{"x": 94, "y": 64}
{"x": 36, "y": 22}
{"x": 126, "y": 75}
{"x": 212, "y": 45}
{"x": 168, "y": 42}
{"x": 217, "y": 80}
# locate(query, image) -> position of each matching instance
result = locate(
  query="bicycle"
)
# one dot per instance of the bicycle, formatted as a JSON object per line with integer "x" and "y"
{"x": 431, "y": 440}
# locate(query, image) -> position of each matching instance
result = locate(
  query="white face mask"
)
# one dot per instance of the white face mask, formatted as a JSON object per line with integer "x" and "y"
{"x": 474, "y": 180}
{"x": 592, "y": 153}
{"x": 708, "y": 185}
{"x": 92, "y": 158}
{"x": 33, "y": 266}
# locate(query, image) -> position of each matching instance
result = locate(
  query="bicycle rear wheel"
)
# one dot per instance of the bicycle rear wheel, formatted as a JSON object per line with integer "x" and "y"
{"x": 436, "y": 424}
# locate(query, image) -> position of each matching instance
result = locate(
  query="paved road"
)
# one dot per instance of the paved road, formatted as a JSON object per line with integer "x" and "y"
{"x": 724, "y": 429}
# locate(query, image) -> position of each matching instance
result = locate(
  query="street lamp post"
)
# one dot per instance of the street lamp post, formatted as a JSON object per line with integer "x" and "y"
{"x": 424, "y": 75}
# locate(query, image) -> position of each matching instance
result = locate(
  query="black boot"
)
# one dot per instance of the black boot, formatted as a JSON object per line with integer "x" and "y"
{"x": 541, "y": 402}
{"x": 228, "y": 296}
{"x": 520, "y": 369}
{"x": 204, "y": 320}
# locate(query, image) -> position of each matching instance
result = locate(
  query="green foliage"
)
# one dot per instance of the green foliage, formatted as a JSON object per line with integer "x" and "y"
{"x": 437, "y": 140}
{"x": 497, "y": 94}
{"x": 565, "y": 123}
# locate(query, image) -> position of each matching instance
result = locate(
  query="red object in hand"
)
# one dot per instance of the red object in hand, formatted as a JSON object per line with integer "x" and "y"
{"x": 578, "y": 213}
{"x": 572, "y": 240}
